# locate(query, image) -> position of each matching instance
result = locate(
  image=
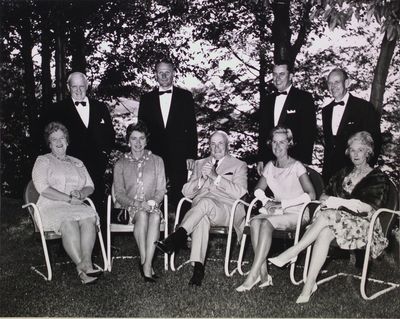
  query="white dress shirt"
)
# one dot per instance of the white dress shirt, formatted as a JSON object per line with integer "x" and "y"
{"x": 279, "y": 103}
{"x": 337, "y": 114}
{"x": 83, "y": 110}
{"x": 165, "y": 104}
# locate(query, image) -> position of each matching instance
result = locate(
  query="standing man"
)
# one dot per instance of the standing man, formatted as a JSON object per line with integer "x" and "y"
{"x": 217, "y": 181}
{"x": 169, "y": 114}
{"x": 91, "y": 132}
{"x": 343, "y": 117}
{"x": 289, "y": 107}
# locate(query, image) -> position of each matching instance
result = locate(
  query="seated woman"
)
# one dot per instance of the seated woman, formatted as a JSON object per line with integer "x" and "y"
{"x": 139, "y": 185}
{"x": 348, "y": 202}
{"x": 291, "y": 186}
{"x": 63, "y": 182}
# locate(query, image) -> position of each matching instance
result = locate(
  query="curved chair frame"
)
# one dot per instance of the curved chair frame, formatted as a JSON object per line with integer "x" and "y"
{"x": 317, "y": 182}
{"x": 363, "y": 277}
{"x": 129, "y": 228}
{"x": 213, "y": 230}
{"x": 30, "y": 198}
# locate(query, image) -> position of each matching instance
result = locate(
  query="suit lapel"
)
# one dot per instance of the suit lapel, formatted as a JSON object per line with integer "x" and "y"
{"x": 345, "y": 117}
{"x": 157, "y": 108}
{"x": 172, "y": 108}
{"x": 329, "y": 113}
{"x": 75, "y": 115}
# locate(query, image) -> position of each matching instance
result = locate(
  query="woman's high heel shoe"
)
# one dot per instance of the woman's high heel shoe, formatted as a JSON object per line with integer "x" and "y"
{"x": 85, "y": 279}
{"x": 305, "y": 299}
{"x": 242, "y": 288}
{"x": 267, "y": 283}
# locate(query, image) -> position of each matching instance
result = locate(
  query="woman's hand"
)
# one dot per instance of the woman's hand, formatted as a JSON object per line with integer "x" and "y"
{"x": 77, "y": 194}
{"x": 75, "y": 201}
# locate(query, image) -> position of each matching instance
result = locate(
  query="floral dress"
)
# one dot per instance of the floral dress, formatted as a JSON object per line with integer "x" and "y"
{"x": 351, "y": 230}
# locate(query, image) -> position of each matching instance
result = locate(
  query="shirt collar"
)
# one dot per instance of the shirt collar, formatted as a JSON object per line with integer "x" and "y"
{"x": 344, "y": 99}
{"x": 162, "y": 90}
{"x": 84, "y": 100}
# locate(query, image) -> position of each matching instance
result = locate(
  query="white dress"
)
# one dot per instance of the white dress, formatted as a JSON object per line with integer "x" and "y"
{"x": 284, "y": 184}
{"x": 64, "y": 176}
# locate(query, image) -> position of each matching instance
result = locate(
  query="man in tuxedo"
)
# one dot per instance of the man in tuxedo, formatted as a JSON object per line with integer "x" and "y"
{"x": 169, "y": 114}
{"x": 90, "y": 130}
{"x": 289, "y": 107}
{"x": 217, "y": 181}
{"x": 343, "y": 117}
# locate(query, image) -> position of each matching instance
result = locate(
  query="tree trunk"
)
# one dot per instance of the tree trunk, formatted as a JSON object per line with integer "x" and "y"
{"x": 381, "y": 73}
{"x": 78, "y": 46}
{"x": 60, "y": 60}
{"x": 46, "y": 59}
{"x": 29, "y": 78}
{"x": 281, "y": 33}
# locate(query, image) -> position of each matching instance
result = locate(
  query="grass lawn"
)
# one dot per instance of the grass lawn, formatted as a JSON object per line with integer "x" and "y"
{"x": 123, "y": 292}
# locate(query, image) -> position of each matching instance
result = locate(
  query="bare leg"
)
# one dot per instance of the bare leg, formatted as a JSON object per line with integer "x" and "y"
{"x": 308, "y": 238}
{"x": 255, "y": 228}
{"x": 261, "y": 252}
{"x": 319, "y": 254}
{"x": 87, "y": 239}
{"x": 140, "y": 233}
{"x": 153, "y": 233}
{"x": 70, "y": 236}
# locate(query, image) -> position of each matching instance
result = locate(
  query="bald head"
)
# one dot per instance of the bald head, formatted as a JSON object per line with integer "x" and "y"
{"x": 338, "y": 83}
{"x": 219, "y": 144}
{"x": 77, "y": 85}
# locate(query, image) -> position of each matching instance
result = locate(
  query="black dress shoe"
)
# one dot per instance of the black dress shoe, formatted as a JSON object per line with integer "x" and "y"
{"x": 95, "y": 273}
{"x": 149, "y": 279}
{"x": 140, "y": 266}
{"x": 198, "y": 275}
{"x": 164, "y": 247}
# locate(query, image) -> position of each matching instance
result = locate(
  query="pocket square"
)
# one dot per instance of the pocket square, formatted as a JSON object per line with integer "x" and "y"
{"x": 102, "y": 121}
{"x": 229, "y": 173}
{"x": 290, "y": 111}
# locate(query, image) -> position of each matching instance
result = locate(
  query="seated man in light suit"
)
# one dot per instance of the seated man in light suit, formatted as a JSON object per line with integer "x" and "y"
{"x": 217, "y": 181}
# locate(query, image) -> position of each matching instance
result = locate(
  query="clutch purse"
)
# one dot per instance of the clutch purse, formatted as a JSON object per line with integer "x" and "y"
{"x": 119, "y": 216}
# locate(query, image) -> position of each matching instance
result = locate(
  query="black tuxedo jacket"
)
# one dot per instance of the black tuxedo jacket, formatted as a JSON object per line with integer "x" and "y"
{"x": 90, "y": 144}
{"x": 298, "y": 114}
{"x": 178, "y": 140}
{"x": 359, "y": 115}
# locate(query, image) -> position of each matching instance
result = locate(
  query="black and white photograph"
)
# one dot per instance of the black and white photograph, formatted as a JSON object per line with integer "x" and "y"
{"x": 200, "y": 158}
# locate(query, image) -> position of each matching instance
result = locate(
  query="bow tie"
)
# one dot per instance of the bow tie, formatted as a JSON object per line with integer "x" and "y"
{"x": 164, "y": 92}
{"x": 281, "y": 93}
{"x": 80, "y": 102}
{"x": 338, "y": 103}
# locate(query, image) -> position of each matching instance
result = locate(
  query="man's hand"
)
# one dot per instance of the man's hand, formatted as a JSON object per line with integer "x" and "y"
{"x": 190, "y": 164}
{"x": 260, "y": 168}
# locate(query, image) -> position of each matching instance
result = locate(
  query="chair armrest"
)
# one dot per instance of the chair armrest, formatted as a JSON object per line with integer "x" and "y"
{"x": 178, "y": 209}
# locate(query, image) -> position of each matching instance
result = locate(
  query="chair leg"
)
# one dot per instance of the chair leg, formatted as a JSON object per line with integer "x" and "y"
{"x": 103, "y": 251}
{"x": 47, "y": 258}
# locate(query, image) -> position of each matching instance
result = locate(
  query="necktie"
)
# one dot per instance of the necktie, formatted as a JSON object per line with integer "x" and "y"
{"x": 80, "y": 102}
{"x": 164, "y": 92}
{"x": 338, "y": 103}
{"x": 281, "y": 93}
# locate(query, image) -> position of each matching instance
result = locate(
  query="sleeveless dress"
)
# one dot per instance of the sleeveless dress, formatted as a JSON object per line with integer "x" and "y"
{"x": 64, "y": 176}
{"x": 284, "y": 184}
{"x": 350, "y": 230}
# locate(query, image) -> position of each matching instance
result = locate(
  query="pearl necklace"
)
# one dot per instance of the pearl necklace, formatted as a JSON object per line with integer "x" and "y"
{"x": 64, "y": 159}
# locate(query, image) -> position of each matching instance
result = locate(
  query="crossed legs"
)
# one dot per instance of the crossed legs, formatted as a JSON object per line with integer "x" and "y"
{"x": 322, "y": 235}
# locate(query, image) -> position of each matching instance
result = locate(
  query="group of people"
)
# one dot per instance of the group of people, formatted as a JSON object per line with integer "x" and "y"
{"x": 163, "y": 147}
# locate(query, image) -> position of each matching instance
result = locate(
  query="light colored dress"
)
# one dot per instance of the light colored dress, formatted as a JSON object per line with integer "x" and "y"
{"x": 142, "y": 179}
{"x": 64, "y": 176}
{"x": 284, "y": 184}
